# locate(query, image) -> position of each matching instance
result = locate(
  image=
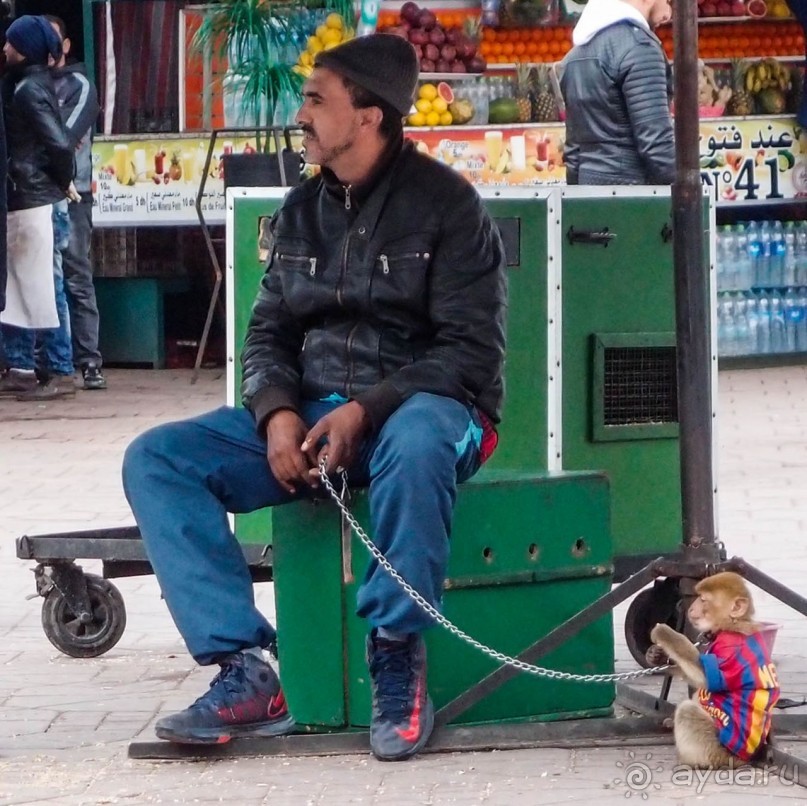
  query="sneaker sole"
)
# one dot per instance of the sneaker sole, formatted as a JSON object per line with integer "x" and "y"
{"x": 223, "y": 734}
{"x": 428, "y": 727}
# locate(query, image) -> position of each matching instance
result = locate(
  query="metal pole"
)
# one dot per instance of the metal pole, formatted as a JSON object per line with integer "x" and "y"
{"x": 691, "y": 291}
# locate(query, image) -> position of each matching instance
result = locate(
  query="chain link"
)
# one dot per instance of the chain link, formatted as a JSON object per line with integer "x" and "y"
{"x": 501, "y": 657}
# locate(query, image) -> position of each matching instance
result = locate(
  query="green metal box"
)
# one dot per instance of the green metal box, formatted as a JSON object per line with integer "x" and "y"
{"x": 528, "y": 552}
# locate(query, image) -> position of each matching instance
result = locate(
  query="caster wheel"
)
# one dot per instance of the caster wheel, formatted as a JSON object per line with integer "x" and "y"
{"x": 69, "y": 635}
{"x": 656, "y": 605}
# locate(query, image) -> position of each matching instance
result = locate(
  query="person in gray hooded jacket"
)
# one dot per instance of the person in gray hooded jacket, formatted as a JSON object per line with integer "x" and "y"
{"x": 615, "y": 84}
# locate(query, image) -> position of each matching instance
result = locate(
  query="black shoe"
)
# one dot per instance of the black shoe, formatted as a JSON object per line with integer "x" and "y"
{"x": 403, "y": 714}
{"x": 93, "y": 377}
{"x": 13, "y": 382}
{"x": 54, "y": 387}
{"x": 245, "y": 699}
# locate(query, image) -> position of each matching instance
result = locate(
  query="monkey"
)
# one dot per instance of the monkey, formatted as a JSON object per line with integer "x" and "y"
{"x": 728, "y": 720}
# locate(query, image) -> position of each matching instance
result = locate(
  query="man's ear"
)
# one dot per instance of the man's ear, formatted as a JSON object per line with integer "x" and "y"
{"x": 372, "y": 116}
{"x": 66, "y": 45}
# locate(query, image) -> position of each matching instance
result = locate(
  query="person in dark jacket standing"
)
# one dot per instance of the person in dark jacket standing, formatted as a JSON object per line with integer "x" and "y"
{"x": 40, "y": 174}
{"x": 615, "y": 84}
{"x": 78, "y": 103}
{"x": 375, "y": 345}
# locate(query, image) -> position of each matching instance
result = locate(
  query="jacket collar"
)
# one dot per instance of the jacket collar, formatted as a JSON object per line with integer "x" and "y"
{"x": 354, "y": 196}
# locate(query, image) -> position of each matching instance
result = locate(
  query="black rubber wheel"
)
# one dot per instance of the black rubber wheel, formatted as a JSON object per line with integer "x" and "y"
{"x": 90, "y": 640}
{"x": 656, "y": 605}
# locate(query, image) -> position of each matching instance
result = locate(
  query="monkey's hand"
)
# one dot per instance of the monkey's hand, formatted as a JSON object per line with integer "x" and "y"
{"x": 656, "y": 656}
{"x": 682, "y": 652}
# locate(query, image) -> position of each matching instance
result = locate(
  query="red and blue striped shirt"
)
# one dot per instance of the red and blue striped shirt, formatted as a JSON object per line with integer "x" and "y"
{"x": 741, "y": 689}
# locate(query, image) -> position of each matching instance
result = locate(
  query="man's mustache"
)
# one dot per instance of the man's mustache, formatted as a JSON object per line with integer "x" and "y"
{"x": 308, "y": 130}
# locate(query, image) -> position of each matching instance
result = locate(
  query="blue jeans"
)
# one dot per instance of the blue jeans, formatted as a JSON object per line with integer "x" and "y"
{"x": 181, "y": 480}
{"x": 48, "y": 350}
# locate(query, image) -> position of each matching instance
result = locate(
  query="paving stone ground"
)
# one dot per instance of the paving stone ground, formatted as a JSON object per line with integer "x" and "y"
{"x": 65, "y": 724}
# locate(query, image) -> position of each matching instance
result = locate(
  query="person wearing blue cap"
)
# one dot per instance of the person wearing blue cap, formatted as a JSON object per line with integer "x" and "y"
{"x": 40, "y": 173}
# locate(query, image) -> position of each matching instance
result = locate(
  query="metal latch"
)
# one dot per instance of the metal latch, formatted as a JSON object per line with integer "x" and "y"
{"x": 597, "y": 237}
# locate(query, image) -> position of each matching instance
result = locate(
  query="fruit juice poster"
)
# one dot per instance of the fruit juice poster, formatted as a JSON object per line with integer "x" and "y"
{"x": 499, "y": 157}
{"x": 753, "y": 159}
{"x": 156, "y": 181}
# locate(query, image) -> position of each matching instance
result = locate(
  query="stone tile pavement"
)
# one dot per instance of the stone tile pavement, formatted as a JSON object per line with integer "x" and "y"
{"x": 65, "y": 724}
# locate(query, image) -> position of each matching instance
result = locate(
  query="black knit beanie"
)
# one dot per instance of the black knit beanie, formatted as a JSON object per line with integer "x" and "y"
{"x": 383, "y": 64}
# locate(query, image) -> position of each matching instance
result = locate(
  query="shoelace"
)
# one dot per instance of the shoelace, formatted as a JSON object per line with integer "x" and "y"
{"x": 230, "y": 682}
{"x": 392, "y": 671}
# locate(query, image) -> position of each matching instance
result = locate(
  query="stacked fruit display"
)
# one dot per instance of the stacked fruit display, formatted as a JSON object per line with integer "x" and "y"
{"x": 440, "y": 50}
{"x": 331, "y": 33}
{"x": 747, "y": 39}
{"x": 437, "y": 106}
{"x": 732, "y": 8}
{"x": 763, "y": 87}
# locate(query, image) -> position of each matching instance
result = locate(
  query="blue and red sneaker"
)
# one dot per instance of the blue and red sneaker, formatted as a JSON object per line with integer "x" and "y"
{"x": 245, "y": 699}
{"x": 403, "y": 714}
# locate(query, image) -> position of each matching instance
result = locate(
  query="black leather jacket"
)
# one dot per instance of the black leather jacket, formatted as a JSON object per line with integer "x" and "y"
{"x": 40, "y": 158}
{"x": 618, "y": 125}
{"x": 378, "y": 293}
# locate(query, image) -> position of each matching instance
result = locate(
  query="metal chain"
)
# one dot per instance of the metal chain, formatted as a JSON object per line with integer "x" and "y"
{"x": 501, "y": 657}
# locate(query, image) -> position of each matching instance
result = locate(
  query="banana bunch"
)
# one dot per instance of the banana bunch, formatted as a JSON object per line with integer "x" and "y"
{"x": 767, "y": 74}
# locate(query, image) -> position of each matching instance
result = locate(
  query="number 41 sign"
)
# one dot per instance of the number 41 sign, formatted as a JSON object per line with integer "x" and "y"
{"x": 753, "y": 159}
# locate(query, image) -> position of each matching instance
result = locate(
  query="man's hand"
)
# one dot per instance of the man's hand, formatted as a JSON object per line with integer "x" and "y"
{"x": 285, "y": 430}
{"x": 344, "y": 429}
{"x": 72, "y": 193}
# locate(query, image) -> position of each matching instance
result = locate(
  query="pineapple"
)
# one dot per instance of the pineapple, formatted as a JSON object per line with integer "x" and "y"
{"x": 523, "y": 101}
{"x": 546, "y": 105}
{"x": 741, "y": 103}
{"x": 472, "y": 28}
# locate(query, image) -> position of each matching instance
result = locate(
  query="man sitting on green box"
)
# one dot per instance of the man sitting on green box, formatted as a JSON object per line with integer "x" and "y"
{"x": 375, "y": 344}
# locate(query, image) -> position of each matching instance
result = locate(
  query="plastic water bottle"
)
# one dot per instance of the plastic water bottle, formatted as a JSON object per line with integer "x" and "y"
{"x": 753, "y": 322}
{"x": 720, "y": 260}
{"x": 793, "y": 313}
{"x": 789, "y": 271}
{"x": 801, "y": 326}
{"x": 777, "y": 264}
{"x": 754, "y": 253}
{"x": 764, "y": 272}
{"x": 742, "y": 330}
{"x": 801, "y": 253}
{"x": 778, "y": 334}
{"x": 731, "y": 258}
{"x": 764, "y": 324}
{"x": 745, "y": 271}
{"x": 726, "y": 330}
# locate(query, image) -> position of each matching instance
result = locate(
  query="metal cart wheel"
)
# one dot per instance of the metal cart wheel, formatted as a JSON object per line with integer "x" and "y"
{"x": 656, "y": 605}
{"x": 88, "y": 638}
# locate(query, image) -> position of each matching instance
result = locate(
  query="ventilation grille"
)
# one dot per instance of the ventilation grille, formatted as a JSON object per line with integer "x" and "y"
{"x": 639, "y": 386}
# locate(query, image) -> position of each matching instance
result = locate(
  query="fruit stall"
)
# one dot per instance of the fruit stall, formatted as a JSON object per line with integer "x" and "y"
{"x": 488, "y": 104}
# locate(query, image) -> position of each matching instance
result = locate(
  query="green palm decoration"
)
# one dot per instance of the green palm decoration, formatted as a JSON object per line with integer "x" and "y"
{"x": 254, "y": 36}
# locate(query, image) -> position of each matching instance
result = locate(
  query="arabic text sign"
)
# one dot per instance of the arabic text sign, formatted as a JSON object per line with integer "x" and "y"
{"x": 752, "y": 160}
{"x": 155, "y": 182}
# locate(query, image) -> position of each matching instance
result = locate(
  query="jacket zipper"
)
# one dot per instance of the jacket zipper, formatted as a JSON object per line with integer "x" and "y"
{"x": 347, "y": 196}
{"x": 350, "y": 364}
{"x": 385, "y": 259}
{"x": 301, "y": 259}
{"x": 343, "y": 270}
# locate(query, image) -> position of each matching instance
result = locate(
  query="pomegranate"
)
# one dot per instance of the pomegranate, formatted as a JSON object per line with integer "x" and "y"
{"x": 476, "y": 64}
{"x": 418, "y": 37}
{"x": 458, "y": 67}
{"x": 426, "y": 20}
{"x": 426, "y": 66}
{"x": 437, "y": 36}
{"x": 431, "y": 52}
{"x": 448, "y": 52}
{"x": 410, "y": 11}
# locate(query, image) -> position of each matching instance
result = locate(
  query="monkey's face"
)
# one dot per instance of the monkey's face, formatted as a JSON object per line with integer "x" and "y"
{"x": 712, "y": 611}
